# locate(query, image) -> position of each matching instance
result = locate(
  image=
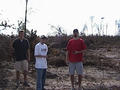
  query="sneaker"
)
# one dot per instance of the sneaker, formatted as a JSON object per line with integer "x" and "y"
{"x": 17, "y": 83}
{"x": 80, "y": 88}
{"x": 72, "y": 88}
{"x": 26, "y": 84}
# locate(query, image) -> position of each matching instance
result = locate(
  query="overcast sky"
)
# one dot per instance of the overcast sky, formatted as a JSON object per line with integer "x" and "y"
{"x": 68, "y": 14}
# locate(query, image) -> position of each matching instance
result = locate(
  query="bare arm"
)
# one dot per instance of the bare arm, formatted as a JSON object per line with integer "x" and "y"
{"x": 78, "y": 52}
{"x": 67, "y": 58}
{"x": 37, "y": 54}
{"x": 28, "y": 53}
{"x": 40, "y": 56}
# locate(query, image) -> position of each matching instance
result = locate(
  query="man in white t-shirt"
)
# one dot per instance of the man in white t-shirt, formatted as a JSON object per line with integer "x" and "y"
{"x": 40, "y": 54}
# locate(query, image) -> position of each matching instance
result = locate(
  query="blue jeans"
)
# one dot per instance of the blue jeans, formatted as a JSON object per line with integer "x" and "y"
{"x": 41, "y": 76}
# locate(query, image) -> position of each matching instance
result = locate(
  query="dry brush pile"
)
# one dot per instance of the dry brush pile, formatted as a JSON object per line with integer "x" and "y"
{"x": 96, "y": 47}
{"x": 102, "y": 53}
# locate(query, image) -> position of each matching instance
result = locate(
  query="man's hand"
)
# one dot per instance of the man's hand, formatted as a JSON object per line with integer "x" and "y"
{"x": 67, "y": 58}
{"x": 77, "y": 52}
{"x": 28, "y": 55}
{"x": 66, "y": 61}
{"x": 41, "y": 56}
{"x": 28, "y": 59}
{"x": 44, "y": 56}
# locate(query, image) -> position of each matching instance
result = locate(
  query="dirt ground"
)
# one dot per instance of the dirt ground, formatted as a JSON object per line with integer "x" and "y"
{"x": 98, "y": 76}
{"x": 58, "y": 79}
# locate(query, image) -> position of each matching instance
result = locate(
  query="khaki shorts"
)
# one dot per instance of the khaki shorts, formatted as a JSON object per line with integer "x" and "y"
{"x": 21, "y": 65}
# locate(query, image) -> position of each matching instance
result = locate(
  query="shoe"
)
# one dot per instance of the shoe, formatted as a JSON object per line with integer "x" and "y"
{"x": 80, "y": 88}
{"x": 26, "y": 84}
{"x": 17, "y": 83}
{"x": 72, "y": 88}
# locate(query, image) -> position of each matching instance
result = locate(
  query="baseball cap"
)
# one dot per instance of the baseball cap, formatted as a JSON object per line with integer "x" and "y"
{"x": 43, "y": 37}
{"x": 75, "y": 31}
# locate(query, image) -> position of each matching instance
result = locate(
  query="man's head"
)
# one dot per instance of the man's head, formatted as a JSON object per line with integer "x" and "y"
{"x": 75, "y": 33}
{"x": 21, "y": 34}
{"x": 43, "y": 39}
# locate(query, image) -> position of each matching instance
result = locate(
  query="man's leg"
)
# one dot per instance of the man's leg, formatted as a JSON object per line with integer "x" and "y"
{"x": 79, "y": 80}
{"x": 17, "y": 78}
{"x": 72, "y": 80}
{"x": 39, "y": 79}
{"x": 79, "y": 68}
{"x": 44, "y": 77}
{"x": 17, "y": 75}
{"x": 71, "y": 72}
{"x": 17, "y": 67}
{"x": 25, "y": 72}
{"x": 25, "y": 76}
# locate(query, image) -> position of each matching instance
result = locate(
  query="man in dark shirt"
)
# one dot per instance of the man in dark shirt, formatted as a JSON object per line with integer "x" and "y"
{"x": 22, "y": 56}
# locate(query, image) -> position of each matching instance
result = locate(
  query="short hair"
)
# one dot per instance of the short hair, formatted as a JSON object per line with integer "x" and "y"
{"x": 21, "y": 31}
{"x": 75, "y": 31}
{"x": 43, "y": 37}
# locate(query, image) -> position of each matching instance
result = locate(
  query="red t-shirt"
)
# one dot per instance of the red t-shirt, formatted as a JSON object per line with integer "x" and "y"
{"x": 75, "y": 45}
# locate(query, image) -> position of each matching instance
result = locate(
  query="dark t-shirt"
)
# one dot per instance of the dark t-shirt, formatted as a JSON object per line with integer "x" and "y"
{"x": 21, "y": 48}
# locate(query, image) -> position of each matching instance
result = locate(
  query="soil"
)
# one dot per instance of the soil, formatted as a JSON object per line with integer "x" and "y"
{"x": 101, "y": 72}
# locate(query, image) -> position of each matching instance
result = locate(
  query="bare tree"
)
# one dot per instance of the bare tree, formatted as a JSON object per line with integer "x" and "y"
{"x": 4, "y": 25}
{"x": 117, "y": 23}
{"x": 85, "y": 28}
{"x": 91, "y": 18}
{"x": 26, "y": 15}
{"x": 58, "y": 30}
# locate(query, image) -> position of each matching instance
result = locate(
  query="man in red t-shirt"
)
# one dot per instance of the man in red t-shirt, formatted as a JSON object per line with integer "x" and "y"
{"x": 74, "y": 56}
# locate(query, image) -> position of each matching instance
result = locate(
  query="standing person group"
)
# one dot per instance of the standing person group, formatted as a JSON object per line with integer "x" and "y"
{"x": 74, "y": 58}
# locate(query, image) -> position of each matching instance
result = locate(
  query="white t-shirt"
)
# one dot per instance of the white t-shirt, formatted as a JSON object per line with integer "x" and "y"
{"x": 41, "y": 49}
